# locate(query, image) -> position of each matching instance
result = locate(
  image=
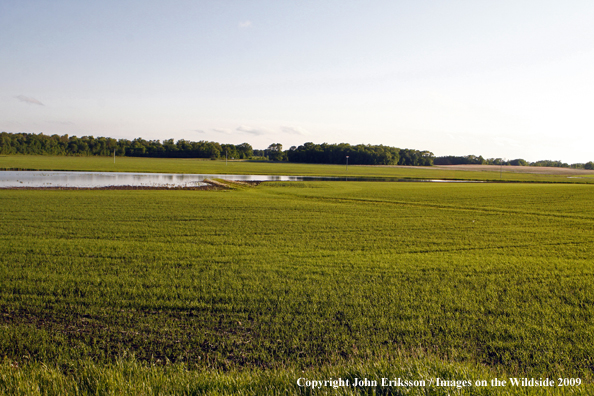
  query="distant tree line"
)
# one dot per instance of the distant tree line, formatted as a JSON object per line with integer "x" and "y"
{"x": 361, "y": 154}
{"x": 325, "y": 153}
{"x": 474, "y": 160}
{"x": 30, "y": 143}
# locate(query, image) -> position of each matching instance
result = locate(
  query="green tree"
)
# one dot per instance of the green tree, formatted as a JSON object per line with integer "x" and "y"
{"x": 518, "y": 162}
{"x": 275, "y": 152}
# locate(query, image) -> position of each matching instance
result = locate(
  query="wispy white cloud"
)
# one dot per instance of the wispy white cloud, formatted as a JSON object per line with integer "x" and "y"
{"x": 250, "y": 130}
{"x": 29, "y": 100}
{"x": 245, "y": 24}
{"x": 199, "y": 131}
{"x": 62, "y": 122}
{"x": 223, "y": 131}
{"x": 295, "y": 130}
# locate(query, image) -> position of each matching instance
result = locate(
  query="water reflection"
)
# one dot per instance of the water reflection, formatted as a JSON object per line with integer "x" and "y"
{"x": 96, "y": 179}
{"x": 33, "y": 179}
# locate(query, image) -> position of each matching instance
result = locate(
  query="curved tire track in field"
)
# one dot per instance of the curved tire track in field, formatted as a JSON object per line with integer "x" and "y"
{"x": 441, "y": 206}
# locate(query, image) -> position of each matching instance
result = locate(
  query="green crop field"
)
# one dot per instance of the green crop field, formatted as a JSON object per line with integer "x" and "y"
{"x": 169, "y": 165}
{"x": 245, "y": 291}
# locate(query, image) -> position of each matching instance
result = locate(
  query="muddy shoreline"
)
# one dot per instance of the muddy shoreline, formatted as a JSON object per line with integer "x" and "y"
{"x": 211, "y": 185}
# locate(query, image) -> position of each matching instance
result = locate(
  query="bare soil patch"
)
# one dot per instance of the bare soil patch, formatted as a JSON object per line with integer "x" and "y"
{"x": 518, "y": 169}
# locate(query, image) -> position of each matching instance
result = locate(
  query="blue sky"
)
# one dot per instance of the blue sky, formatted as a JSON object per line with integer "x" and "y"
{"x": 504, "y": 79}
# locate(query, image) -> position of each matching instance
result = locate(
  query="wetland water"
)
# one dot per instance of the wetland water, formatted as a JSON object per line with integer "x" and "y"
{"x": 55, "y": 179}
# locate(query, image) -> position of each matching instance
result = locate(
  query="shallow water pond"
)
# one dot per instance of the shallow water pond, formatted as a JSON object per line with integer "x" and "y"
{"x": 55, "y": 179}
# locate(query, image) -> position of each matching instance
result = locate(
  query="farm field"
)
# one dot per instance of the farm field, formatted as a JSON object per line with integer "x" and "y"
{"x": 522, "y": 169}
{"x": 172, "y": 165}
{"x": 246, "y": 290}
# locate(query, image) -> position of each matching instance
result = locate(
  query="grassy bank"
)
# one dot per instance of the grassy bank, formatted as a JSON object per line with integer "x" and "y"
{"x": 168, "y": 165}
{"x": 273, "y": 280}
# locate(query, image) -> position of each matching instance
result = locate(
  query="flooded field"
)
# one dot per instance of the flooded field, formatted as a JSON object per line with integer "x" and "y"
{"x": 51, "y": 179}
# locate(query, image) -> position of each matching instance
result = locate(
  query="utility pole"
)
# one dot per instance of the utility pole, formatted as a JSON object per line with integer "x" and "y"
{"x": 114, "y": 156}
{"x": 225, "y": 157}
{"x": 347, "y": 164}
